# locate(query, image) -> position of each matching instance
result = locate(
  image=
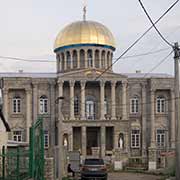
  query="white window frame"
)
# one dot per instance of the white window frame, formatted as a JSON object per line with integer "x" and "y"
{"x": 135, "y": 138}
{"x": 160, "y": 104}
{"x": 17, "y": 136}
{"x": 43, "y": 105}
{"x": 134, "y": 105}
{"x": 160, "y": 138}
{"x": 46, "y": 139}
{"x": 90, "y": 109}
{"x": 16, "y": 105}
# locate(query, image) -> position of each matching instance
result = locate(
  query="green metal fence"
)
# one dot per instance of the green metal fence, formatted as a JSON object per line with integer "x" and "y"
{"x": 21, "y": 163}
{"x": 14, "y": 164}
{"x": 36, "y": 165}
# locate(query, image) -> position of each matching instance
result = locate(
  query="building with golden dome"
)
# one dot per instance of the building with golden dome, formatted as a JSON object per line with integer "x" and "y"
{"x": 119, "y": 117}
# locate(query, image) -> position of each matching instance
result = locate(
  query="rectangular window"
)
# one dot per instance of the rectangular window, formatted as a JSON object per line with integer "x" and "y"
{"x": 160, "y": 138}
{"x": 17, "y": 136}
{"x": 16, "y": 105}
{"x": 46, "y": 139}
{"x": 134, "y": 105}
{"x": 135, "y": 138}
{"x": 43, "y": 106}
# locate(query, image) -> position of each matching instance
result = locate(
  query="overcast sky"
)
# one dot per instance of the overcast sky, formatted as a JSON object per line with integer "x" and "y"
{"x": 29, "y": 27}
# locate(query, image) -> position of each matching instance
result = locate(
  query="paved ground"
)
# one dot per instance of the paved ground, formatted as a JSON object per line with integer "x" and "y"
{"x": 132, "y": 176}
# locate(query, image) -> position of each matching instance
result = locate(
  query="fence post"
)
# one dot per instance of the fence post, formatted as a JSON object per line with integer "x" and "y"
{"x": 3, "y": 162}
{"x": 18, "y": 159}
{"x": 31, "y": 152}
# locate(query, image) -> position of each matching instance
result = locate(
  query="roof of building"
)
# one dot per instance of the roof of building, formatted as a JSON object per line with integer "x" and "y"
{"x": 54, "y": 75}
{"x": 84, "y": 32}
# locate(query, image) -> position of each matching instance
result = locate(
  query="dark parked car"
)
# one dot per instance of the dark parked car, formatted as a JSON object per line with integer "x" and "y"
{"x": 94, "y": 169}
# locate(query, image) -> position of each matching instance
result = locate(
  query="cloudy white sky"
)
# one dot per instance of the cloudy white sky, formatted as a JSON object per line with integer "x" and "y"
{"x": 29, "y": 27}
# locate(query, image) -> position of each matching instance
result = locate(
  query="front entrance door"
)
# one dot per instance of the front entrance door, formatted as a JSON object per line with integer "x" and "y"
{"x": 93, "y": 138}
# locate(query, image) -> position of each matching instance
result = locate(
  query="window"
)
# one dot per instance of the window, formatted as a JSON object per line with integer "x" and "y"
{"x": 160, "y": 137}
{"x": 16, "y": 105}
{"x": 105, "y": 107}
{"x": 68, "y": 59}
{"x": 135, "y": 138}
{"x": 90, "y": 110}
{"x": 90, "y": 60}
{"x": 43, "y": 105}
{"x": 17, "y": 136}
{"x": 46, "y": 139}
{"x": 160, "y": 104}
{"x": 134, "y": 105}
{"x": 76, "y": 106}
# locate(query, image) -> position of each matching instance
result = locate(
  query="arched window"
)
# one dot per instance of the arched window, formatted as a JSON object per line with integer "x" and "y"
{"x": 90, "y": 108}
{"x": 134, "y": 105}
{"x": 68, "y": 60}
{"x": 76, "y": 106}
{"x": 160, "y": 104}
{"x": 43, "y": 105}
{"x": 16, "y": 102}
{"x": 90, "y": 58}
{"x": 97, "y": 59}
{"x": 82, "y": 58}
{"x": 108, "y": 59}
{"x": 58, "y": 62}
{"x": 103, "y": 59}
{"x": 74, "y": 59}
{"x": 105, "y": 106}
{"x": 62, "y": 61}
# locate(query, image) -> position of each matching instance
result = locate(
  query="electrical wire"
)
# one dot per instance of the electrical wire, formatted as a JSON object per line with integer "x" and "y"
{"x": 37, "y": 60}
{"x": 163, "y": 38}
{"x": 132, "y": 45}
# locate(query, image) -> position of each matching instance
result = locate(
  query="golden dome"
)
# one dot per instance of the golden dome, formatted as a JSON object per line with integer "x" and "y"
{"x": 84, "y": 32}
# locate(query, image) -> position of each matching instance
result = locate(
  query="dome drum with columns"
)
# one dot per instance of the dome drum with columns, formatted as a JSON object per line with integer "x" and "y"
{"x": 84, "y": 44}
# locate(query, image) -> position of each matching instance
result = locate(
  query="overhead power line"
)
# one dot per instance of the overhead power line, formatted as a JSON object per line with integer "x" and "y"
{"x": 53, "y": 61}
{"x": 153, "y": 24}
{"x": 132, "y": 45}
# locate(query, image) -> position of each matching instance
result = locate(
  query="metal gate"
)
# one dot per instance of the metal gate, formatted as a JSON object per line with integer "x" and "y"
{"x": 37, "y": 150}
{"x": 21, "y": 163}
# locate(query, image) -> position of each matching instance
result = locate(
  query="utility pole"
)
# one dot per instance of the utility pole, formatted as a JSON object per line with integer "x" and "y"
{"x": 177, "y": 107}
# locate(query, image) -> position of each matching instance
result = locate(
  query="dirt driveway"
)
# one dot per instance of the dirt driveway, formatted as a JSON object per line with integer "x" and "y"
{"x": 132, "y": 176}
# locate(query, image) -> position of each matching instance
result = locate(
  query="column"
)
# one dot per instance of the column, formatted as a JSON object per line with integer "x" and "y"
{"x": 78, "y": 59}
{"x": 83, "y": 84}
{"x": 124, "y": 103}
{"x": 173, "y": 120}
{"x": 103, "y": 141}
{"x": 85, "y": 58}
{"x": 65, "y": 61}
{"x": 35, "y": 102}
{"x": 113, "y": 100}
{"x": 99, "y": 59}
{"x": 144, "y": 130}
{"x": 152, "y": 164}
{"x": 60, "y": 94}
{"x": 102, "y": 85}
{"x": 71, "y": 55}
{"x": 52, "y": 113}
{"x": 84, "y": 141}
{"x": 93, "y": 58}
{"x": 28, "y": 112}
{"x": 71, "y": 83}
{"x": 152, "y": 103}
{"x": 6, "y": 103}
{"x": 71, "y": 139}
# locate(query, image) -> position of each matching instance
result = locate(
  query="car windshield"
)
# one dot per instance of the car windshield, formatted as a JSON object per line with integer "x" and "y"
{"x": 94, "y": 162}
